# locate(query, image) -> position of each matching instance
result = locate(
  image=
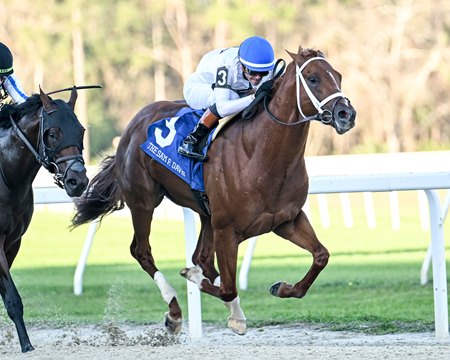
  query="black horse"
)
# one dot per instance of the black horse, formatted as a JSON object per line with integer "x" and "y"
{"x": 58, "y": 137}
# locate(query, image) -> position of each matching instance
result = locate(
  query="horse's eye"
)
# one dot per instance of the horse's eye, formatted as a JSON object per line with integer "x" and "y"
{"x": 51, "y": 135}
{"x": 51, "y": 139}
{"x": 312, "y": 79}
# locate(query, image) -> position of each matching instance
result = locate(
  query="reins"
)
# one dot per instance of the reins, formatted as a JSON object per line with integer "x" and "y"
{"x": 273, "y": 117}
{"x": 24, "y": 138}
{"x": 251, "y": 109}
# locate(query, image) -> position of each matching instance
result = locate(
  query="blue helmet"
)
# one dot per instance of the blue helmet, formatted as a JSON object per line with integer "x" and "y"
{"x": 256, "y": 54}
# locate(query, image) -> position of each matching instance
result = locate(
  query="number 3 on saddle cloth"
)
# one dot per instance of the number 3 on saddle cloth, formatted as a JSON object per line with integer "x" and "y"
{"x": 163, "y": 139}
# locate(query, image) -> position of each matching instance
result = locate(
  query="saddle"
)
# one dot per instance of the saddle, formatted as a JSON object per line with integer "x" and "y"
{"x": 165, "y": 136}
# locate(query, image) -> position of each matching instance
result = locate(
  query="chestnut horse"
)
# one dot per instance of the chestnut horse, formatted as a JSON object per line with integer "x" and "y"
{"x": 255, "y": 179}
{"x": 41, "y": 131}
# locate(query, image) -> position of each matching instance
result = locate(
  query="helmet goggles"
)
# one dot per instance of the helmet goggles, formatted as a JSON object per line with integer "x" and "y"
{"x": 255, "y": 72}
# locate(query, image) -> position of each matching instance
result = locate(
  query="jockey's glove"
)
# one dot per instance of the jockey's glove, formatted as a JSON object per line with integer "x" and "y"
{"x": 265, "y": 88}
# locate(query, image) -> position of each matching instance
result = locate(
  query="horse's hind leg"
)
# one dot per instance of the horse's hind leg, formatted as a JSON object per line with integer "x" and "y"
{"x": 141, "y": 250}
{"x": 204, "y": 252}
{"x": 11, "y": 298}
{"x": 301, "y": 233}
{"x": 204, "y": 273}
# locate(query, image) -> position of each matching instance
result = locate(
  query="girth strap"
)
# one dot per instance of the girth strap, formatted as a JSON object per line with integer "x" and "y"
{"x": 202, "y": 200}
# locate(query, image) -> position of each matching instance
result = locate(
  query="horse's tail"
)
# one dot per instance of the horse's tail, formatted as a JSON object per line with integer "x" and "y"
{"x": 102, "y": 197}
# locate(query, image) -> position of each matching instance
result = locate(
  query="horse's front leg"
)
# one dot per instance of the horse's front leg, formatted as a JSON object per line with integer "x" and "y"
{"x": 224, "y": 287}
{"x": 141, "y": 250}
{"x": 301, "y": 233}
{"x": 11, "y": 298}
{"x": 236, "y": 321}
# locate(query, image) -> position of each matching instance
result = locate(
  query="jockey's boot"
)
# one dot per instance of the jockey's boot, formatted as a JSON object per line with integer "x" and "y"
{"x": 189, "y": 146}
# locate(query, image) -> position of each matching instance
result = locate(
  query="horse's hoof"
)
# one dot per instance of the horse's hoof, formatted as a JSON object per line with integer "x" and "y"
{"x": 184, "y": 272}
{"x": 27, "y": 347}
{"x": 274, "y": 289}
{"x": 237, "y": 326}
{"x": 194, "y": 274}
{"x": 172, "y": 325}
{"x": 189, "y": 273}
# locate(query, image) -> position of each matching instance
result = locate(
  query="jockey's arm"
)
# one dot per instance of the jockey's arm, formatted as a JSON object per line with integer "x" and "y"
{"x": 14, "y": 89}
{"x": 228, "y": 102}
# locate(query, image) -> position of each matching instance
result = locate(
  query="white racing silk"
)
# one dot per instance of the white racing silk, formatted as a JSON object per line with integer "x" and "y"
{"x": 222, "y": 68}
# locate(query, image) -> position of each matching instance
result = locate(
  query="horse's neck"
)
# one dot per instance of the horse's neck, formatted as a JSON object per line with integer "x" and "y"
{"x": 283, "y": 117}
{"x": 18, "y": 165}
{"x": 283, "y": 104}
{"x": 275, "y": 146}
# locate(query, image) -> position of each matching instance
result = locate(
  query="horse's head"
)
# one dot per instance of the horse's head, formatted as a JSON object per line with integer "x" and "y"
{"x": 61, "y": 143}
{"x": 319, "y": 95}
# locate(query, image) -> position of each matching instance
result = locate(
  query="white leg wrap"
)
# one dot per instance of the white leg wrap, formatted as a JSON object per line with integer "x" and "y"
{"x": 235, "y": 309}
{"x": 217, "y": 281}
{"x": 167, "y": 291}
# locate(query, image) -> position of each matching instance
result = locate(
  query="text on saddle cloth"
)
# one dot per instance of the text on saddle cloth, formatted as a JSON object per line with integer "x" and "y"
{"x": 166, "y": 135}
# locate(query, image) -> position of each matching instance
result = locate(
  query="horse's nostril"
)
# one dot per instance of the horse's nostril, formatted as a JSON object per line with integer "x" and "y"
{"x": 71, "y": 182}
{"x": 344, "y": 114}
{"x": 75, "y": 188}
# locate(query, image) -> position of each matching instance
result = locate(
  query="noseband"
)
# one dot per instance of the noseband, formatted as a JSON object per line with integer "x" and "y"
{"x": 47, "y": 156}
{"x": 323, "y": 115}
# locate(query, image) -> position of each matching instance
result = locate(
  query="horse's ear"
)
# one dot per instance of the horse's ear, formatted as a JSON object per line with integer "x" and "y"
{"x": 320, "y": 53}
{"x": 292, "y": 55}
{"x": 73, "y": 98}
{"x": 46, "y": 101}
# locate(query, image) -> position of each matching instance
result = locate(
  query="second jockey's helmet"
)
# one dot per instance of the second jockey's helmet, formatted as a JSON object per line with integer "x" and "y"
{"x": 256, "y": 54}
{"x": 6, "y": 61}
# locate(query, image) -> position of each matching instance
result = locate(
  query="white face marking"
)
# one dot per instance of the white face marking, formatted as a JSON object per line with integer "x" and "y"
{"x": 334, "y": 80}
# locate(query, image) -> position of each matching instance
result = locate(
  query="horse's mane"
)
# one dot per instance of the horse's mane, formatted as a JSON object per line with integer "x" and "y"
{"x": 18, "y": 111}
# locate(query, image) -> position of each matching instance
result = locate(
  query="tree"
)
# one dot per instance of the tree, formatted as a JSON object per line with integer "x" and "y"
{"x": 141, "y": 51}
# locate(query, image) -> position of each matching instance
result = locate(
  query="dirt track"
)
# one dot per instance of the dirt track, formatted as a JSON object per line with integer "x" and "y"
{"x": 272, "y": 342}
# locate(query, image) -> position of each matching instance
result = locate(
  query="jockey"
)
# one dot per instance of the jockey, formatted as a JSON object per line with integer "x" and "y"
{"x": 8, "y": 81}
{"x": 224, "y": 83}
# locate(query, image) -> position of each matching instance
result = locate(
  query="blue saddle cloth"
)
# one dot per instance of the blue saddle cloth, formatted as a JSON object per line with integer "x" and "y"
{"x": 163, "y": 139}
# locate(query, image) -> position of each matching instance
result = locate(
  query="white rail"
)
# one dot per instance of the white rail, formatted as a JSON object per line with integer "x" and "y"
{"x": 428, "y": 182}
{"x": 378, "y": 181}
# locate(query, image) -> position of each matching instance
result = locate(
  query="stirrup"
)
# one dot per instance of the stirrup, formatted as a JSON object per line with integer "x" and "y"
{"x": 192, "y": 155}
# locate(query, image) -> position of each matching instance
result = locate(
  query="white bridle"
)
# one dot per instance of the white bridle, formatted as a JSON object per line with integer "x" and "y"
{"x": 317, "y": 104}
